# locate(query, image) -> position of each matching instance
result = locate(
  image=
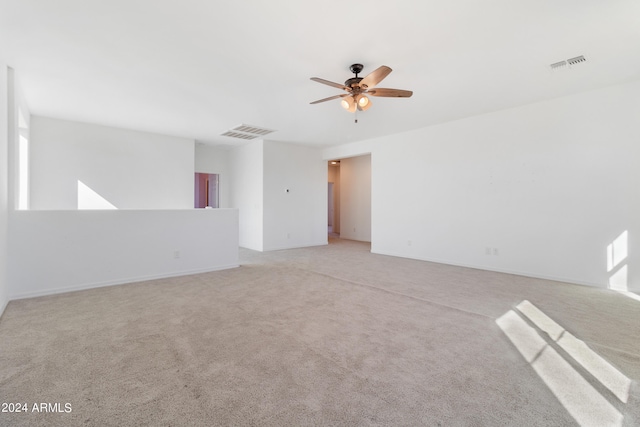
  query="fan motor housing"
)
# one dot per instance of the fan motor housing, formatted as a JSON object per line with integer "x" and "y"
{"x": 353, "y": 82}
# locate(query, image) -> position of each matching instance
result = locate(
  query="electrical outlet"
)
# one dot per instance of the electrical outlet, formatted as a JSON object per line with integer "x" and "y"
{"x": 288, "y": 235}
{"x": 408, "y": 242}
{"x": 487, "y": 251}
{"x": 176, "y": 254}
{"x": 495, "y": 251}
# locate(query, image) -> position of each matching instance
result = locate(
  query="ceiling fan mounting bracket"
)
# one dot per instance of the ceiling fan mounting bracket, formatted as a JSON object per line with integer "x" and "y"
{"x": 356, "y": 69}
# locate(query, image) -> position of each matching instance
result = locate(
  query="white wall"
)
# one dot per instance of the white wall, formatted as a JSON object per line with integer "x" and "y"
{"x": 210, "y": 159}
{"x": 298, "y": 217}
{"x": 130, "y": 169}
{"x": 549, "y": 185}
{"x": 58, "y": 251}
{"x": 246, "y": 184}
{"x": 355, "y": 198}
{"x": 4, "y": 187}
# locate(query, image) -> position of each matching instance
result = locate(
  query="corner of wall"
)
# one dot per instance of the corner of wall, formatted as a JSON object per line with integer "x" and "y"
{"x": 246, "y": 168}
{"x": 4, "y": 186}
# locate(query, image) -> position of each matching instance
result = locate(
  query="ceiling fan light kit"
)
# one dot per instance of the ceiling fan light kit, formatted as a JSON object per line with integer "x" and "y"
{"x": 358, "y": 88}
{"x": 349, "y": 104}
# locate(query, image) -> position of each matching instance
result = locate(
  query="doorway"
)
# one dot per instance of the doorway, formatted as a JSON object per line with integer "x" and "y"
{"x": 333, "y": 202}
{"x": 331, "y": 213}
{"x": 351, "y": 201}
{"x": 206, "y": 190}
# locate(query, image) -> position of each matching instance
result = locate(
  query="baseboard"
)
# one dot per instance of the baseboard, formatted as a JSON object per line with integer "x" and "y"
{"x": 116, "y": 282}
{"x": 499, "y": 270}
{"x": 3, "y": 306}
{"x": 307, "y": 245}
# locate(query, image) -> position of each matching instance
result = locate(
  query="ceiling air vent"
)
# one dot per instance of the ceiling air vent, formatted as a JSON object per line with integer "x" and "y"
{"x": 252, "y": 129}
{"x": 576, "y": 60}
{"x": 247, "y": 132}
{"x": 570, "y": 61}
{"x": 239, "y": 135}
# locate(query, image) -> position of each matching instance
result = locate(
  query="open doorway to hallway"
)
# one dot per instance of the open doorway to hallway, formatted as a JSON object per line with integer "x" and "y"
{"x": 349, "y": 192}
{"x": 333, "y": 202}
{"x": 206, "y": 190}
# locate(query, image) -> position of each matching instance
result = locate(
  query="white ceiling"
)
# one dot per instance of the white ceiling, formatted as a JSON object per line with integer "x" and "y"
{"x": 196, "y": 68}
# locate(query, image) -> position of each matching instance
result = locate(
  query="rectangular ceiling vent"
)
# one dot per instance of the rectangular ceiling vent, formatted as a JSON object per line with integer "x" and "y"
{"x": 570, "y": 61}
{"x": 576, "y": 60}
{"x": 252, "y": 129}
{"x": 238, "y": 135}
{"x": 247, "y": 132}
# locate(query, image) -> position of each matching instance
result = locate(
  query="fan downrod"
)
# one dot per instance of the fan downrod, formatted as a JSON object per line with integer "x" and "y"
{"x": 354, "y": 82}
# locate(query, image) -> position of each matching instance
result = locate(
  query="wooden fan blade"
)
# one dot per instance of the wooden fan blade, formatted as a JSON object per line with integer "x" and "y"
{"x": 327, "y": 82}
{"x": 375, "y": 77}
{"x": 390, "y": 93}
{"x": 330, "y": 98}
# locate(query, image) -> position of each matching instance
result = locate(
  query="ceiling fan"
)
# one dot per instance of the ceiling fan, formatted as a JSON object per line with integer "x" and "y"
{"x": 359, "y": 89}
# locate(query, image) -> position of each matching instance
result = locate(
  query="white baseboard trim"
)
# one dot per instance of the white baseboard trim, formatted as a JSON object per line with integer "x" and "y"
{"x": 499, "y": 270}
{"x": 3, "y": 306}
{"x": 123, "y": 281}
{"x": 306, "y": 245}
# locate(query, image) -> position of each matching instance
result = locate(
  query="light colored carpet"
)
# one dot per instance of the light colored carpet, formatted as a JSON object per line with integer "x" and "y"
{"x": 329, "y": 335}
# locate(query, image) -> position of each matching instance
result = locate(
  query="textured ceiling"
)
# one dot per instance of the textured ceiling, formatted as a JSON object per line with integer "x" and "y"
{"x": 199, "y": 68}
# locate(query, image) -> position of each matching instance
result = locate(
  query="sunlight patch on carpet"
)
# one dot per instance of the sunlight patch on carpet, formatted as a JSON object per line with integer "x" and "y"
{"x": 597, "y": 366}
{"x": 585, "y": 404}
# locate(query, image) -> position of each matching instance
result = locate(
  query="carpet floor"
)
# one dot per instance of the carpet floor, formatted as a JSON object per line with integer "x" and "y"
{"x": 330, "y": 335}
